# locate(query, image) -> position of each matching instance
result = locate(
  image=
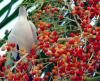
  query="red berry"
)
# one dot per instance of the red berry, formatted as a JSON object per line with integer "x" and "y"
{"x": 3, "y": 68}
{"x": 34, "y": 72}
{"x": 71, "y": 42}
{"x": 49, "y": 25}
{"x": 48, "y": 73}
{"x": 72, "y": 72}
{"x": 55, "y": 38}
{"x": 61, "y": 17}
{"x": 98, "y": 37}
{"x": 41, "y": 42}
{"x": 12, "y": 45}
{"x": 90, "y": 1}
{"x": 73, "y": 78}
{"x": 54, "y": 33}
{"x": 89, "y": 8}
{"x": 47, "y": 45}
{"x": 68, "y": 59}
{"x": 82, "y": 4}
{"x": 37, "y": 79}
{"x": 93, "y": 32}
{"x": 26, "y": 77}
{"x": 72, "y": 34}
{"x": 35, "y": 56}
{"x": 8, "y": 48}
{"x": 42, "y": 28}
{"x": 48, "y": 53}
{"x": 32, "y": 51}
{"x": 89, "y": 26}
{"x": 46, "y": 77}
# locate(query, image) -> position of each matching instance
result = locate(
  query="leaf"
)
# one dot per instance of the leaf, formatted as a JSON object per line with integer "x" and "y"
{"x": 0, "y": 79}
{"x": 4, "y": 39}
{"x": 93, "y": 79}
{"x": 8, "y": 7}
{"x": 9, "y": 62}
{"x": 42, "y": 54}
{"x": 68, "y": 0}
{"x": 48, "y": 69}
{"x": 1, "y": 1}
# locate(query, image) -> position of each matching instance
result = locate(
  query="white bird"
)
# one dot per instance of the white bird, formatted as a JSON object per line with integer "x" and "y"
{"x": 24, "y": 32}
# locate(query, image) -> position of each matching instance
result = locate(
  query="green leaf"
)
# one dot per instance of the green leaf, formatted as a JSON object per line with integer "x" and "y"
{"x": 6, "y": 7}
{"x": 15, "y": 14}
{"x": 68, "y": 0}
{"x": 4, "y": 39}
{"x": 93, "y": 79}
{"x": 42, "y": 54}
{"x": 1, "y": 1}
{"x": 9, "y": 62}
{"x": 48, "y": 69}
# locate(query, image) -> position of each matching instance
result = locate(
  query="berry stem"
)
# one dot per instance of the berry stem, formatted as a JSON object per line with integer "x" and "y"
{"x": 19, "y": 61}
{"x": 90, "y": 58}
{"x": 77, "y": 24}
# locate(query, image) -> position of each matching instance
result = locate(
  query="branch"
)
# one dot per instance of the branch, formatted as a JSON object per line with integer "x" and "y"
{"x": 46, "y": 65}
{"x": 90, "y": 58}
{"x": 77, "y": 23}
{"x": 79, "y": 18}
{"x": 19, "y": 61}
{"x": 61, "y": 39}
{"x": 74, "y": 18}
{"x": 93, "y": 79}
{"x": 70, "y": 19}
{"x": 2, "y": 77}
{"x": 97, "y": 72}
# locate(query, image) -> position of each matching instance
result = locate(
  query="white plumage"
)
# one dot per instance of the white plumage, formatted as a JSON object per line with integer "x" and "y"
{"x": 24, "y": 31}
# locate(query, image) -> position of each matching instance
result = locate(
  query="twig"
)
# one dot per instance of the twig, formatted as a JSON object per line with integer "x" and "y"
{"x": 19, "y": 61}
{"x": 69, "y": 19}
{"x": 2, "y": 77}
{"x": 61, "y": 39}
{"x": 58, "y": 71}
{"x": 46, "y": 65}
{"x": 90, "y": 58}
{"x": 79, "y": 18}
{"x": 41, "y": 59}
{"x": 75, "y": 21}
{"x": 85, "y": 44}
{"x": 97, "y": 72}
{"x": 50, "y": 78}
{"x": 77, "y": 24}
